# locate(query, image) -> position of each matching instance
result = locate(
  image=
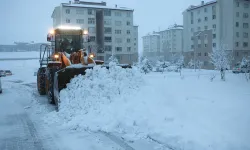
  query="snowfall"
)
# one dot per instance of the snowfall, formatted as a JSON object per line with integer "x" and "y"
{"x": 124, "y": 109}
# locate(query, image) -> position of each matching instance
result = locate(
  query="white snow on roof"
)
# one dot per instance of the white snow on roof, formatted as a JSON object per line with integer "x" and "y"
{"x": 97, "y": 6}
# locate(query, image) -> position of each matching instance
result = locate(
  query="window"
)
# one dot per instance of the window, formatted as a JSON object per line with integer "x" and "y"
{"x": 80, "y": 11}
{"x": 108, "y": 48}
{"x": 118, "y": 14}
{"x": 128, "y": 14}
{"x": 214, "y": 44}
{"x": 91, "y": 20}
{"x": 237, "y": 24}
{"x": 214, "y": 8}
{"x": 205, "y": 37}
{"x": 67, "y": 20}
{"x": 118, "y": 49}
{"x": 199, "y": 54}
{"x": 80, "y": 21}
{"x": 107, "y": 22}
{"x": 118, "y": 23}
{"x": 206, "y": 27}
{"x": 118, "y": 31}
{"x": 237, "y": 14}
{"x": 92, "y": 38}
{"x": 67, "y": 11}
{"x": 245, "y": 35}
{"x": 237, "y": 34}
{"x": 192, "y": 22}
{"x": 107, "y": 12}
{"x": 205, "y": 45}
{"x": 245, "y": 15}
{"x": 107, "y": 39}
{"x": 214, "y": 17}
{"x": 237, "y": 54}
{"x": 128, "y": 31}
{"x": 246, "y": 5}
{"x": 90, "y": 11}
{"x": 237, "y": 44}
{"x": 128, "y": 49}
{"x": 107, "y": 30}
{"x": 205, "y": 9}
{"x": 214, "y": 26}
{"x": 245, "y": 25}
{"x": 128, "y": 40}
{"x": 91, "y": 29}
{"x": 199, "y": 20}
{"x": 199, "y": 37}
{"x": 118, "y": 40}
{"x": 206, "y": 19}
{"x": 205, "y": 54}
{"x": 245, "y": 44}
{"x": 128, "y": 23}
{"x": 237, "y": 4}
{"x": 192, "y": 14}
{"x": 214, "y": 36}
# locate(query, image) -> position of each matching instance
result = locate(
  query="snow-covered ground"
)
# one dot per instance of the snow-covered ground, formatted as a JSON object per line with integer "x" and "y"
{"x": 32, "y": 54}
{"x": 188, "y": 112}
{"x": 153, "y": 111}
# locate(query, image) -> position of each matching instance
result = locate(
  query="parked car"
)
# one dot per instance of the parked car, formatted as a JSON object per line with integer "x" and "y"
{"x": 241, "y": 69}
{"x": 1, "y": 90}
{"x": 8, "y": 73}
{"x": 2, "y": 73}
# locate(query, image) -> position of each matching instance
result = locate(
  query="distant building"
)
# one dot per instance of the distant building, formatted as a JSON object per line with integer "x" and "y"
{"x": 161, "y": 45}
{"x": 111, "y": 29}
{"x": 21, "y": 46}
{"x": 221, "y": 22}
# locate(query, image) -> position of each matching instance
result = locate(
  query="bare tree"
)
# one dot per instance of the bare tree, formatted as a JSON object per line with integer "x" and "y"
{"x": 245, "y": 65}
{"x": 221, "y": 59}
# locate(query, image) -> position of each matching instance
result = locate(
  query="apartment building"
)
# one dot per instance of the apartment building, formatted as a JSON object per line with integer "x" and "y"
{"x": 160, "y": 45}
{"x": 110, "y": 29}
{"x": 210, "y": 25}
{"x": 171, "y": 41}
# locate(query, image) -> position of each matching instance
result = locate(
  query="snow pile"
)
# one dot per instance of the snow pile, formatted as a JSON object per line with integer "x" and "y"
{"x": 88, "y": 101}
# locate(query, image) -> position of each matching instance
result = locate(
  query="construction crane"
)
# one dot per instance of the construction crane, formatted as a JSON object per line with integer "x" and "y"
{"x": 57, "y": 61}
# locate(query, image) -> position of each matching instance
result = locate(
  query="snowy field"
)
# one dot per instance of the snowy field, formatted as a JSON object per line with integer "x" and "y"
{"x": 32, "y": 54}
{"x": 153, "y": 111}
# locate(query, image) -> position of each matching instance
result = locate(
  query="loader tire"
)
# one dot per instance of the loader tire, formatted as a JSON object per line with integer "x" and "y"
{"x": 51, "y": 73}
{"x": 41, "y": 86}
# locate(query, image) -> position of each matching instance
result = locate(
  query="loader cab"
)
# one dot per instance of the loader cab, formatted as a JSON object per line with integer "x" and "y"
{"x": 66, "y": 40}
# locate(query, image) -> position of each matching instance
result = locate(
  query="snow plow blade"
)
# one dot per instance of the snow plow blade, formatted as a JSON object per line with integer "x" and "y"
{"x": 63, "y": 77}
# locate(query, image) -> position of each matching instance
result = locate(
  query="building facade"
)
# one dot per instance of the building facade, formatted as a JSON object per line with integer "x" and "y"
{"x": 110, "y": 29}
{"x": 161, "y": 45}
{"x": 215, "y": 24}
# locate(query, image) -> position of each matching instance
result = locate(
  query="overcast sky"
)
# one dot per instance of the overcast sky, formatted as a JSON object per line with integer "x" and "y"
{"x": 30, "y": 20}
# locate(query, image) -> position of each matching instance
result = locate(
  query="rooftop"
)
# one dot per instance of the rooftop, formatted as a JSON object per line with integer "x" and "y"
{"x": 192, "y": 7}
{"x": 96, "y": 6}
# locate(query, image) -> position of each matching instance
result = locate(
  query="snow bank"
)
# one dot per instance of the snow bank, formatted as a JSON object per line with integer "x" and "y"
{"x": 94, "y": 100}
{"x": 190, "y": 113}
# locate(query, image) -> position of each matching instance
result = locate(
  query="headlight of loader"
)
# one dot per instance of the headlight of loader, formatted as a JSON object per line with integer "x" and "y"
{"x": 91, "y": 55}
{"x": 56, "y": 56}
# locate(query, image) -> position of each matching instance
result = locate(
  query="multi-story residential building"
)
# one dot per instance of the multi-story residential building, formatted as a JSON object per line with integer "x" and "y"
{"x": 215, "y": 24}
{"x": 171, "y": 41}
{"x": 151, "y": 46}
{"x": 160, "y": 45}
{"x": 110, "y": 29}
